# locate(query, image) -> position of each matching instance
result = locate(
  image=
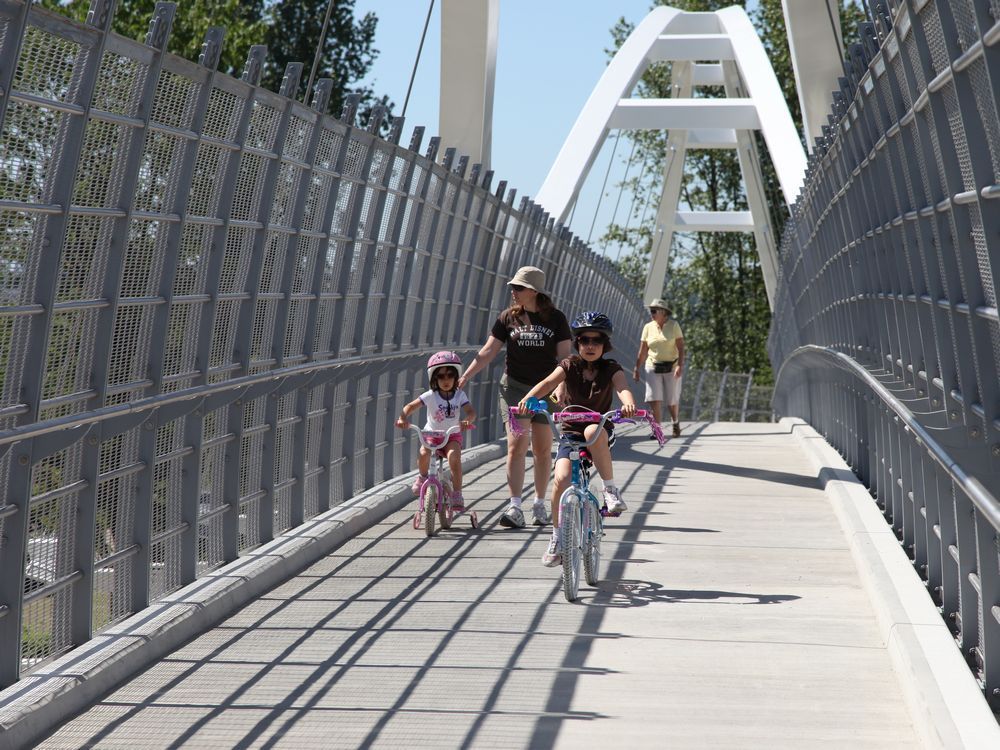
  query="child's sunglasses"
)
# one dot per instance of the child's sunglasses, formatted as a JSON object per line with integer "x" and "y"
{"x": 590, "y": 339}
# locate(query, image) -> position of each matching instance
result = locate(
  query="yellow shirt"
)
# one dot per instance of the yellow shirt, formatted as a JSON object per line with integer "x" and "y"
{"x": 662, "y": 343}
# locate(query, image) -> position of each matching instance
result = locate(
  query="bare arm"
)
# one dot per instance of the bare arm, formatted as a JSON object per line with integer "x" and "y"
{"x": 679, "y": 367}
{"x": 624, "y": 393}
{"x": 557, "y": 376}
{"x": 402, "y": 421}
{"x": 564, "y": 349}
{"x": 643, "y": 352}
{"x": 483, "y": 357}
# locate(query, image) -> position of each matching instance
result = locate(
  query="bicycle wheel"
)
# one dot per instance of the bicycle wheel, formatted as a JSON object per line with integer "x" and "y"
{"x": 570, "y": 540}
{"x": 430, "y": 506}
{"x": 444, "y": 512}
{"x": 592, "y": 533}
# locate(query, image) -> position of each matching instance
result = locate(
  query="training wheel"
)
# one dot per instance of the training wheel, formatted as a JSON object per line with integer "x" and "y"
{"x": 474, "y": 519}
{"x": 416, "y": 520}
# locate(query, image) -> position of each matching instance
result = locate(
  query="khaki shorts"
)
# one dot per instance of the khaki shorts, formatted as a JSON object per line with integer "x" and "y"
{"x": 662, "y": 386}
{"x": 511, "y": 394}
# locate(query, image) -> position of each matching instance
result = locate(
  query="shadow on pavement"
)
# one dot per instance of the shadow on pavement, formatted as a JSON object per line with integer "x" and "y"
{"x": 633, "y": 593}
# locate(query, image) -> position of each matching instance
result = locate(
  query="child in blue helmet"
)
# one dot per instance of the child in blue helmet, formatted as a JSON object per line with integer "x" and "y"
{"x": 590, "y": 382}
{"x": 443, "y": 400}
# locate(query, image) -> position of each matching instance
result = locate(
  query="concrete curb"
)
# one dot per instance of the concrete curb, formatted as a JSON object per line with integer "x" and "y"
{"x": 36, "y": 704}
{"x": 945, "y": 702}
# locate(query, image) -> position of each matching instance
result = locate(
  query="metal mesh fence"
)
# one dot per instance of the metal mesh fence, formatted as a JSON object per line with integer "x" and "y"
{"x": 714, "y": 396}
{"x": 885, "y": 332}
{"x": 213, "y": 299}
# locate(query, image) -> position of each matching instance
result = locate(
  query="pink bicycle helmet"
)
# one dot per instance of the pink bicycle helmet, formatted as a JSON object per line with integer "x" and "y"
{"x": 443, "y": 359}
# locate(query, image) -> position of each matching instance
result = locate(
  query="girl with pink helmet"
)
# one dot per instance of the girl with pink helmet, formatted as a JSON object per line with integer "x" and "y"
{"x": 443, "y": 401}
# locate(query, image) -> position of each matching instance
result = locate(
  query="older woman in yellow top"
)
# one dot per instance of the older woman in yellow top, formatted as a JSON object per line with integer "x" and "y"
{"x": 662, "y": 351}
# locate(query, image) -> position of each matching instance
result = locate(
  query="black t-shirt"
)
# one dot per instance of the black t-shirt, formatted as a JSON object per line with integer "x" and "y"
{"x": 531, "y": 347}
{"x": 595, "y": 394}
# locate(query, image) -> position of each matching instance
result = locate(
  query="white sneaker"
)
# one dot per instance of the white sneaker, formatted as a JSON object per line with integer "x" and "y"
{"x": 538, "y": 511}
{"x": 551, "y": 558}
{"x": 417, "y": 484}
{"x": 512, "y": 518}
{"x": 616, "y": 506}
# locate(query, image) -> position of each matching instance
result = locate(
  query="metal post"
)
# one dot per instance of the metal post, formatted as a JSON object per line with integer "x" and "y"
{"x": 697, "y": 396}
{"x": 57, "y": 191}
{"x": 204, "y": 362}
{"x": 132, "y": 153}
{"x": 746, "y": 396}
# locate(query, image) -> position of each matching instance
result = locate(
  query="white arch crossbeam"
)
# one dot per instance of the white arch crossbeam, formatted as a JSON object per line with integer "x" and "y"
{"x": 754, "y": 101}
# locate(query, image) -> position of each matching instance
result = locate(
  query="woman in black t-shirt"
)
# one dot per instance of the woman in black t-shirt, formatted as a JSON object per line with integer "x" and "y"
{"x": 537, "y": 337}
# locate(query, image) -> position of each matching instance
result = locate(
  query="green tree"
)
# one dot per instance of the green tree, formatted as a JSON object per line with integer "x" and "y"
{"x": 714, "y": 281}
{"x": 289, "y": 28}
{"x": 347, "y": 53}
{"x": 244, "y": 21}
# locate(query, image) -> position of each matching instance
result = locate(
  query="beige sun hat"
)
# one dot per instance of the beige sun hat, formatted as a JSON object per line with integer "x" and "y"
{"x": 531, "y": 277}
{"x": 660, "y": 304}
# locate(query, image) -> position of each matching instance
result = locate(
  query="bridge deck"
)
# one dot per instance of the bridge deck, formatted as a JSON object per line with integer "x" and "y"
{"x": 731, "y": 616}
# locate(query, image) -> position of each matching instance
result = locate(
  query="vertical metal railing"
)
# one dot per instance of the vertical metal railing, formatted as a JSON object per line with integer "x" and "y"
{"x": 213, "y": 299}
{"x": 885, "y": 334}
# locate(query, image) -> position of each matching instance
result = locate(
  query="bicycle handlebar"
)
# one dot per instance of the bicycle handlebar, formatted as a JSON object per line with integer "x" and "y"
{"x": 443, "y": 436}
{"x": 589, "y": 417}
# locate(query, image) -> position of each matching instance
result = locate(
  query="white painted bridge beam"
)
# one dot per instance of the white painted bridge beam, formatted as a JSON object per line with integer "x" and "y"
{"x": 691, "y": 47}
{"x": 713, "y": 221}
{"x": 707, "y": 74}
{"x": 704, "y": 138}
{"x": 687, "y": 114}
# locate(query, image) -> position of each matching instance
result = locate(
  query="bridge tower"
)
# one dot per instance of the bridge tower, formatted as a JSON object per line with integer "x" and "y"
{"x": 719, "y": 49}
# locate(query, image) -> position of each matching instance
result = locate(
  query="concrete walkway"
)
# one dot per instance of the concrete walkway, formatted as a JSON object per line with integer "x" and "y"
{"x": 731, "y": 615}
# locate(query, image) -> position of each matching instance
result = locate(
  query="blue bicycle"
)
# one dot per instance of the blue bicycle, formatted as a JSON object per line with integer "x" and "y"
{"x": 581, "y": 516}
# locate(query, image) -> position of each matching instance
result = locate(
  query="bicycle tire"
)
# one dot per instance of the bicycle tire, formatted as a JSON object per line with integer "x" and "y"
{"x": 592, "y": 542}
{"x": 444, "y": 511}
{"x": 570, "y": 540}
{"x": 430, "y": 507}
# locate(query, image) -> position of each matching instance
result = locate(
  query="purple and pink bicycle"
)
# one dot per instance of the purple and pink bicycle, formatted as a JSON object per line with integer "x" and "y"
{"x": 436, "y": 491}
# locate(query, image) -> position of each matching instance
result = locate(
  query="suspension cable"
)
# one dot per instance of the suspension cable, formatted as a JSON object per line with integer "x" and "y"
{"x": 631, "y": 208}
{"x": 416, "y": 62}
{"x": 319, "y": 50}
{"x": 603, "y": 185}
{"x": 833, "y": 28}
{"x": 621, "y": 191}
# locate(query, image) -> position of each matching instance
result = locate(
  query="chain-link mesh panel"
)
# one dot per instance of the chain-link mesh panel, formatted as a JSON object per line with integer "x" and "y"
{"x": 885, "y": 333}
{"x": 114, "y": 530}
{"x": 182, "y": 253}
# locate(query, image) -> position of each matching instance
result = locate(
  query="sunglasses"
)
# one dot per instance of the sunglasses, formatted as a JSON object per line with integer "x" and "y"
{"x": 446, "y": 374}
{"x": 590, "y": 339}
{"x": 517, "y": 287}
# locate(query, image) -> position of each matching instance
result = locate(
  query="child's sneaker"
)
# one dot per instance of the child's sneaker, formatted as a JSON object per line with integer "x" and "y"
{"x": 551, "y": 558}
{"x": 614, "y": 503}
{"x": 457, "y": 503}
{"x": 539, "y": 512}
{"x": 417, "y": 484}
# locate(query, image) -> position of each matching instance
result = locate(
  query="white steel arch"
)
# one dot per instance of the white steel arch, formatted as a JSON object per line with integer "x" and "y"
{"x": 706, "y": 49}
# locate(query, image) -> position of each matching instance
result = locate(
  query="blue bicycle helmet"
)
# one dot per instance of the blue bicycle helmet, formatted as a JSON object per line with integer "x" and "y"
{"x": 593, "y": 321}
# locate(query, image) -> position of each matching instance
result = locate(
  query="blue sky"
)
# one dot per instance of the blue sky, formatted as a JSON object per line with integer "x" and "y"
{"x": 550, "y": 55}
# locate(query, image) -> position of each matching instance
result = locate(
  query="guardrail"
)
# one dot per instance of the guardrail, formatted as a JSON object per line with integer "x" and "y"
{"x": 887, "y": 292}
{"x": 213, "y": 301}
{"x": 724, "y": 396}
